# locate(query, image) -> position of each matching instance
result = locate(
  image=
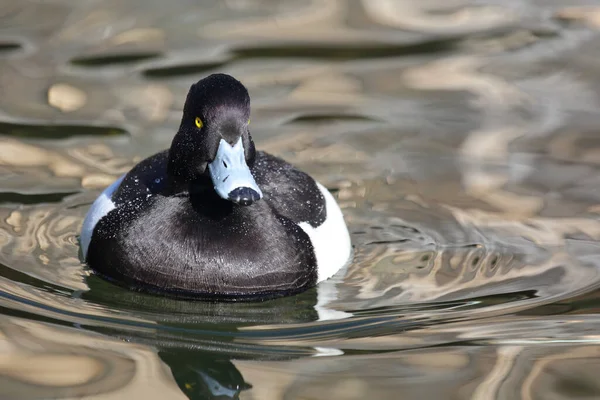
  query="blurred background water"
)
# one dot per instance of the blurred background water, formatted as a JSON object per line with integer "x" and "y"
{"x": 459, "y": 137}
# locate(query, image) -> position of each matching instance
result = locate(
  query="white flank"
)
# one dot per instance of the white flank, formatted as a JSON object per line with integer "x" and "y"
{"x": 100, "y": 207}
{"x": 330, "y": 240}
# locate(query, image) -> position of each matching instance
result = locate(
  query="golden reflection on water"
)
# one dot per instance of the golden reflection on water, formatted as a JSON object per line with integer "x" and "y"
{"x": 459, "y": 137}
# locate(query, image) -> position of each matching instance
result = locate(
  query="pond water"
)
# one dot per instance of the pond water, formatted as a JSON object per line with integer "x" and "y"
{"x": 459, "y": 137}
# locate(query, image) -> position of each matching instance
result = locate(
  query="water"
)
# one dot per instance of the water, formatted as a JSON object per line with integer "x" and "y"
{"x": 460, "y": 139}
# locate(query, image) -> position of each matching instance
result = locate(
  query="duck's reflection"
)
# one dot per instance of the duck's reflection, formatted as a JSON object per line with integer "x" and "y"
{"x": 202, "y": 375}
{"x": 196, "y": 339}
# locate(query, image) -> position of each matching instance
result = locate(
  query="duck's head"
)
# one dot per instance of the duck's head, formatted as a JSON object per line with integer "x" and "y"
{"x": 213, "y": 139}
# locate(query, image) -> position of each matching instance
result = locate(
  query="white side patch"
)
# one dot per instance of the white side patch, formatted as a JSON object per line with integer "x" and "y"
{"x": 100, "y": 207}
{"x": 330, "y": 240}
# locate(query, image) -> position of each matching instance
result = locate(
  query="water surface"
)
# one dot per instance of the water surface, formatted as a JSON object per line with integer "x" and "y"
{"x": 460, "y": 139}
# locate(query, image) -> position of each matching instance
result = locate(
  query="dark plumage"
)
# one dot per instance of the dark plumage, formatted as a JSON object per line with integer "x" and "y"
{"x": 171, "y": 231}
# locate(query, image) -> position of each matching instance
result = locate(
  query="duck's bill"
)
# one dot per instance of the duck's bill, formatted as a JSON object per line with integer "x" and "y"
{"x": 231, "y": 176}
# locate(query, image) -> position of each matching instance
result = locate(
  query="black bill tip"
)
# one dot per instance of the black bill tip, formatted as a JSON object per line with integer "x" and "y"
{"x": 243, "y": 196}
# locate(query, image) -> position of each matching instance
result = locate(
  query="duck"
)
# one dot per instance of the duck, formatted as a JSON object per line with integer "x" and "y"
{"x": 212, "y": 217}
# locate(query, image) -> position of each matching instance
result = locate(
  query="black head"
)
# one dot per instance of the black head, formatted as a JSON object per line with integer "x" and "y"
{"x": 223, "y": 104}
{"x": 217, "y": 109}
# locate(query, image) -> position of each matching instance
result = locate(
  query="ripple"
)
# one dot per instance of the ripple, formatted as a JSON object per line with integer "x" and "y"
{"x": 106, "y": 60}
{"x": 49, "y": 361}
{"x": 7, "y": 47}
{"x": 180, "y": 69}
{"x": 23, "y": 130}
{"x": 32, "y": 198}
{"x": 348, "y": 52}
{"x": 329, "y": 118}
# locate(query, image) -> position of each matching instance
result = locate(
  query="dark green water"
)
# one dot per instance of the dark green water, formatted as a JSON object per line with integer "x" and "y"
{"x": 460, "y": 139}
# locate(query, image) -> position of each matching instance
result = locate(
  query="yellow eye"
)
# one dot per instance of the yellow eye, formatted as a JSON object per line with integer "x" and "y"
{"x": 199, "y": 122}
{"x": 248, "y": 122}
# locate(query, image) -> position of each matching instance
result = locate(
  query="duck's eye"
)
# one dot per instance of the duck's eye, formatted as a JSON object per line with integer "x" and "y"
{"x": 199, "y": 122}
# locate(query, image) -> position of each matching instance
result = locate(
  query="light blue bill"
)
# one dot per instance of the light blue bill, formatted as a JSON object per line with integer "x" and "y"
{"x": 229, "y": 170}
